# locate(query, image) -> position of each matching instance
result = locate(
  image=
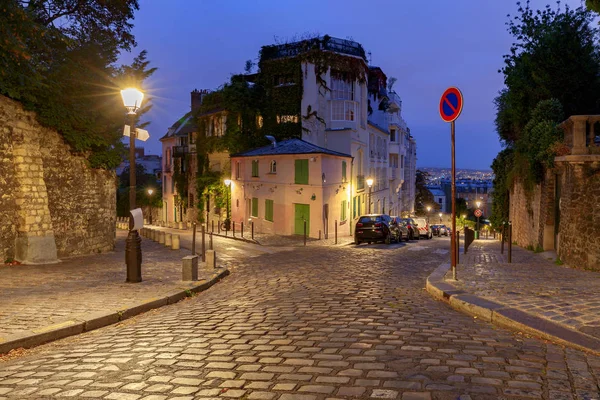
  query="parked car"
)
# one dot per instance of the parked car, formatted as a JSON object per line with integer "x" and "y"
{"x": 435, "y": 230}
{"x": 402, "y": 228}
{"x": 424, "y": 229}
{"x": 411, "y": 225}
{"x": 443, "y": 230}
{"x": 375, "y": 228}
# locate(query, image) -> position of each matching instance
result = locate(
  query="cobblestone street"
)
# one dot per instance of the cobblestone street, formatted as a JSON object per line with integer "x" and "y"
{"x": 307, "y": 324}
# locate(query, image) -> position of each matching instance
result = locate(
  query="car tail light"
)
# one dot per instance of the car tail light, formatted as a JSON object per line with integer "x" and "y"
{"x": 378, "y": 225}
{"x": 359, "y": 224}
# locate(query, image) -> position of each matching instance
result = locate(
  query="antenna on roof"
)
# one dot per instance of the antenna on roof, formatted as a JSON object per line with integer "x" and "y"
{"x": 272, "y": 139}
{"x": 369, "y": 58}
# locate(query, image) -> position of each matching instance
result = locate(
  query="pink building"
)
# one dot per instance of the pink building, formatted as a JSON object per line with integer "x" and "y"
{"x": 281, "y": 185}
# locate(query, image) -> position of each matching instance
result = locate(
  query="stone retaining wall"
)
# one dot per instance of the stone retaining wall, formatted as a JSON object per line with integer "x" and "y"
{"x": 51, "y": 203}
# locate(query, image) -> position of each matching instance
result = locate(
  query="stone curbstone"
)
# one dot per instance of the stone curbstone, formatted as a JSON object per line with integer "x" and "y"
{"x": 506, "y": 317}
{"x": 36, "y": 337}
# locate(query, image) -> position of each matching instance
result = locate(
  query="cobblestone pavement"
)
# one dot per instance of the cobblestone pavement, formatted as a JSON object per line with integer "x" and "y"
{"x": 35, "y": 296}
{"x": 308, "y": 324}
{"x": 533, "y": 284}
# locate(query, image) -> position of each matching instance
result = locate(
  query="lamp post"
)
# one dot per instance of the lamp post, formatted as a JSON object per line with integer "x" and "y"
{"x": 150, "y": 191}
{"x": 440, "y": 218}
{"x": 428, "y": 210}
{"x": 370, "y": 185}
{"x": 478, "y": 205}
{"x": 228, "y": 184}
{"x": 132, "y": 100}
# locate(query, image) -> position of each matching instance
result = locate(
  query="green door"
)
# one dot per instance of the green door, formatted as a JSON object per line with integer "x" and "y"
{"x": 301, "y": 214}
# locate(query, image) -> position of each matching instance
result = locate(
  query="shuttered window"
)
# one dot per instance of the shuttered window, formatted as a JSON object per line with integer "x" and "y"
{"x": 269, "y": 210}
{"x": 343, "y": 210}
{"x": 255, "y": 207}
{"x": 301, "y": 176}
{"x": 255, "y": 168}
{"x": 343, "y": 171}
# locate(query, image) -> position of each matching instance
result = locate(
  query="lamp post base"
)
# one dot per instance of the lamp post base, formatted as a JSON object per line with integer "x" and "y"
{"x": 133, "y": 257}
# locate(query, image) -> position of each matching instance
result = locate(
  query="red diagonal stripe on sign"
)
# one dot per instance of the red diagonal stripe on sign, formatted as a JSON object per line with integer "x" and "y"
{"x": 450, "y": 104}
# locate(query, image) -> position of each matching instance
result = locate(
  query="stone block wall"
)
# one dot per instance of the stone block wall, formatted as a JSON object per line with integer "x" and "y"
{"x": 51, "y": 203}
{"x": 579, "y": 243}
{"x": 527, "y": 215}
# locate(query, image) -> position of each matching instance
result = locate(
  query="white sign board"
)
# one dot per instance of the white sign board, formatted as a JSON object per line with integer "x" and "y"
{"x": 136, "y": 219}
{"x": 140, "y": 134}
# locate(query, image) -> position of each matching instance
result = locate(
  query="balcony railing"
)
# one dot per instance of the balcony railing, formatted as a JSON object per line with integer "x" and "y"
{"x": 360, "y": 182}
{"x": 180, "y": 151}
{"x": 343, "y": 46}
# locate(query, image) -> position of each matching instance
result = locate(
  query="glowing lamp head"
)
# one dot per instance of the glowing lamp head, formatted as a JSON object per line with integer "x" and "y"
{"x": 370, "y": 182}
{"x": 478, "y": 204}
{"x": 132, "y": 99}
{"x": 428, "y": 208}
{"x": 227, "y": 182}
{"x": 150, "y": 191}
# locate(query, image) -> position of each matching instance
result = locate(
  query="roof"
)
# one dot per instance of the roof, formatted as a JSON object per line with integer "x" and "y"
{"x": 181, "y": 127}
{"x": 437, "y": 192}
{"x": 290, "y": 146}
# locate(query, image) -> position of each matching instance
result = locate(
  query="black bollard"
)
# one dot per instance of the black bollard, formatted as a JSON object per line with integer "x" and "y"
{"x": 242, "y": 229}
{"x": 252, "y": 228}
{"x": 509, "y": 242}
{"x": 203, "y": 242}
{"x": 335, "y": 231}
{"x": 305, "y": 232}
{"x": 194, "y": 239}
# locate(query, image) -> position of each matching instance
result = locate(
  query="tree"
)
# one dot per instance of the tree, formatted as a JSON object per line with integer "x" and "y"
{"x": 423, "y": 196}
{"x": 593, "y": 5}
{"x": 57, "y": 58}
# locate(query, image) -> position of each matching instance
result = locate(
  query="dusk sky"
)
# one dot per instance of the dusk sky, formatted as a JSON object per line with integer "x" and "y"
{"x": 427, "y": 45}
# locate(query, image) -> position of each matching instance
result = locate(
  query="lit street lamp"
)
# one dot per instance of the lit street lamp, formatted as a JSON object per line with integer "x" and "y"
{"x": 132, "y": 100}
{"x": 370, "y": 184}
{"x": 150, "y": 191}
{"x": 227, "y": 222}
{"x": 440, "y": 218}
{"x": 428, "y": 210}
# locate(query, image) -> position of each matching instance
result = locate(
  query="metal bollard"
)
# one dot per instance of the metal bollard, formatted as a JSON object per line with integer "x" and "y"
{"x": 319, "y": 234}
{"x": 203, "y": 242}
{"x": 252, "y": 225}
{"x": 242, "y": 228}
{"x": 219, "y": 227}
{"x": 233, "y": 228}
{"x": 212, "y": 226}
{"x": 509, "y": 242}
{"x": 194, "y": 240}
{"x": 335, "y": 232}
{"x": 168, "y": 239}
{"x": 502, "y": 239}
{"x": 457, "y": 246}
{"x": 175, "y": 242}
{"x": 305, "y": 232}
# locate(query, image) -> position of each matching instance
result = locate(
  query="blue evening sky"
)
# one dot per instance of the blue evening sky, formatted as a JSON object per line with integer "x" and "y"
{"x": 427, "y": 45}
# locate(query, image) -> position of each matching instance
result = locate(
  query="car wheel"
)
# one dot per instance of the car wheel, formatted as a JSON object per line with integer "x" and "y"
{"x": 388, "y": 239}
{"x": 399, "y": 237}
{"x": 357, "y": 242}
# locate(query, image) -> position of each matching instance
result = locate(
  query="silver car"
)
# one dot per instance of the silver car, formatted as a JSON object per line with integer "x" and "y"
{"x": 402, "y": 228}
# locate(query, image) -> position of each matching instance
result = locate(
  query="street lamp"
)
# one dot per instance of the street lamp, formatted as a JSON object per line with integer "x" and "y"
{"x": 440, "y": 218}
{"x": 150, "y": 191}
{"x": 132, "y": 100}
{"x": 370, "y": 184}
{"x": 478, "y": 203}
{"x": 228, "y": 184}
{"x": 428, "y": 210}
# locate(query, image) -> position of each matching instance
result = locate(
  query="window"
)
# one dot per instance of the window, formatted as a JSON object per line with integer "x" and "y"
{"x": 343, "y": 210}
{"x": 255, "y": 168}
{"x": 237, "y": 170}
{"x": 301, "y": 172}
{"x": 172, "y": 185}
{"x": 343, "y": 171}
{"x": 392, "y": 135}
{"x": 269, "y": 210}
{"x": 255, "y": 207}
{"x": 341, "y": 89}
{"x": 273, "y": 168}
{"x": 343, "y": 110}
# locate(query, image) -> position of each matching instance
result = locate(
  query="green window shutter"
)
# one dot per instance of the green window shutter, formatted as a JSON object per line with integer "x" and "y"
{"x": 254, "y": 168}
{"x": 343, "y": 171}
{"x": 269, "y": 210}
{"x": 301, "y": 172}
{"x": 343, "y": 210}
{"x": 255, "y": 207}
{"x": 354, "y": 207}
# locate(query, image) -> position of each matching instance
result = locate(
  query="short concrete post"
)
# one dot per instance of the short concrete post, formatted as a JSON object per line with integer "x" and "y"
{"x": 175, "y": 242}
{"x": 189, "y": 272}
{"x": 169, "y": 224}
{"x": 161, "y": 237}
{"x": 168, "y": 239}
{"x": 180, "y": 225}
{"x": 156, "y": 235}
{"x": 211, "y": 259}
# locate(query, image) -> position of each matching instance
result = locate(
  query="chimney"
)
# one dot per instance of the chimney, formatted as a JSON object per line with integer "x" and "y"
{"x": 196, "y": 99}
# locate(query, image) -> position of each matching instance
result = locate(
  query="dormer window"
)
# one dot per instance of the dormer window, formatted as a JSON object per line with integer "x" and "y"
{"x": 273, "y": 167}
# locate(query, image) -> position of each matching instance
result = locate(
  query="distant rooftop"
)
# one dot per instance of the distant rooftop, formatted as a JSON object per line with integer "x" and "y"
{"x": 289, "y": 146}
{"x": 325, "y": 42}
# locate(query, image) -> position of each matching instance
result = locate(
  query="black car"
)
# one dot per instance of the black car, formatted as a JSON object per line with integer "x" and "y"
{"x": 413, "y": 230}
{"x": 435, "y": 230}
{"x": 375, "y": 228}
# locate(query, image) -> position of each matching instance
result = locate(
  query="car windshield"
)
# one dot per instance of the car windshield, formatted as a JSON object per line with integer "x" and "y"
{"x": 373, "y": 218}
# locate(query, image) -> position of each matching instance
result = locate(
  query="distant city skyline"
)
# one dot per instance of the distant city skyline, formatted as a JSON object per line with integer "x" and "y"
{"x": 198, "y": 45}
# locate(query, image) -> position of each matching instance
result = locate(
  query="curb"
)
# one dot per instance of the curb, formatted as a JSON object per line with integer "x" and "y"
{"x": 99, "y": 319}
{"x": 504, "y": 316}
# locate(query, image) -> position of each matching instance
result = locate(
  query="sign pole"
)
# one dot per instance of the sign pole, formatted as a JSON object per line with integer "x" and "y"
{"x": 453, "y": 236}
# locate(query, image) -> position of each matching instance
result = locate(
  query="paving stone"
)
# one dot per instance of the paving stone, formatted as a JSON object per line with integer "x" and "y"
{"x": 351, "y": 391}
{"x": 384, "y": 394}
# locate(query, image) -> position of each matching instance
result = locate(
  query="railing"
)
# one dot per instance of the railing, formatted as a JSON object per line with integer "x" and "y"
{"x": 343, "y": 110}
{"x": 319, "y": 43}
{"x": 580, "y": 136}
{"x": 360, "y": 182}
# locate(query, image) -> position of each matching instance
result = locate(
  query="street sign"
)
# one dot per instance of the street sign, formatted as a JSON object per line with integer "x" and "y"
{"x": 140, "y": 134}
{"x": 451, "y": 104}
{"x": 478, "y": 213}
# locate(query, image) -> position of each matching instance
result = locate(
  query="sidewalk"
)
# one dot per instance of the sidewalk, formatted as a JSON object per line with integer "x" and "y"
{"x": 531, "y": 294}
{"x": 41, "y": 303}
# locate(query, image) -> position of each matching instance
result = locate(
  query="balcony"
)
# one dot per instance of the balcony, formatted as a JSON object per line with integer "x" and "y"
{"x": 360, "y": 182}
{"x": 180, "y": 151}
